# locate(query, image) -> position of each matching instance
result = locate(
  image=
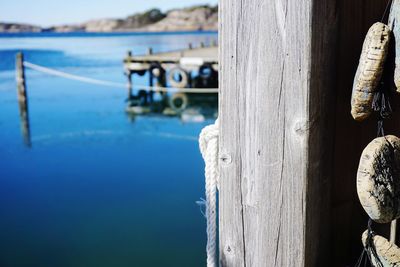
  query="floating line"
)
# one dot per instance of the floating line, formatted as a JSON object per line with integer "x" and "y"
{"x": 116, "y": 84}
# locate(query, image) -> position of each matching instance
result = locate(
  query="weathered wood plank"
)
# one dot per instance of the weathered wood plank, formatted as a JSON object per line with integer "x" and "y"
{"x": 231, "y": 212}
{"x": 276, "y": 141}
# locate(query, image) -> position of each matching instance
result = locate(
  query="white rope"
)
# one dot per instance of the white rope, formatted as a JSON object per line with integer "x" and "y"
{"x": 208, "y": 142}
{"x": 72, "y": 76}
{"x": 116, "y": 84}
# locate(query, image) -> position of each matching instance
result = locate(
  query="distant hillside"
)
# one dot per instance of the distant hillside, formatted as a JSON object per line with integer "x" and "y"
{"x": 185, "y": 19}
{"x": 17, "y": 27}
{"x": 188, "y": 19}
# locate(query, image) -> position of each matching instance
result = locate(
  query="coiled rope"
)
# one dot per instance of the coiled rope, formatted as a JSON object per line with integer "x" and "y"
{"x": 115, "y": 84}
{"x": 208, "y": 142}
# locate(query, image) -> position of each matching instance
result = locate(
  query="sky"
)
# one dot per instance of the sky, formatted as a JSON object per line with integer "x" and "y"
{"x": 54, "y": 12}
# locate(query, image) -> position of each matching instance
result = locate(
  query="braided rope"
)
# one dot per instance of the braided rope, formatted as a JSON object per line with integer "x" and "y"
{"x": 208, "y": 142}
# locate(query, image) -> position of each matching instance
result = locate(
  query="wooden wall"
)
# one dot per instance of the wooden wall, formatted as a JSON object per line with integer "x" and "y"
{"x": 288, "y": 146}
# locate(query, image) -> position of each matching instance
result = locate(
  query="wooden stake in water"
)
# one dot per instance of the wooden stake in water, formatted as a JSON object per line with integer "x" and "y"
{"x": 129, "y": 76}
{"x": 22, "y": 99}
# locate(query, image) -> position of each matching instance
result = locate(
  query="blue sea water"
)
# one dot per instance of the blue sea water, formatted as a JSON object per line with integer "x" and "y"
{"x": 96, "y": 188}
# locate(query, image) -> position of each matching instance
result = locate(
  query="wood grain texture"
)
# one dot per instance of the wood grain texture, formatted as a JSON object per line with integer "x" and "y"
{"x": 277, "y": 81}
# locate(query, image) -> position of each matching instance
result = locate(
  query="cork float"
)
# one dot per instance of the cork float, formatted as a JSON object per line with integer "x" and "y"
{"x": 378, "y": 179}
{"x": 369, "y": 71}
{"x": 388, "y": 253}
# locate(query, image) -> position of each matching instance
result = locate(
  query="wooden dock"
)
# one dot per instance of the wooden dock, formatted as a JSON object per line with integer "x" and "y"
{"x": 206, "y": 54}
{"x": 193, "y": 71}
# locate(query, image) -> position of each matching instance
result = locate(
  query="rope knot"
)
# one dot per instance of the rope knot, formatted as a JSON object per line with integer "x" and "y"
{"x": 208, "y": 142}
{"x": 207, "y": 134}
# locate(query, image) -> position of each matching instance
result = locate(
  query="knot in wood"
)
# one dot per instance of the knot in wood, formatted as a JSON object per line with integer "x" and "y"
{"x": 226, "y": 158}
{"x": 301, "y": 127}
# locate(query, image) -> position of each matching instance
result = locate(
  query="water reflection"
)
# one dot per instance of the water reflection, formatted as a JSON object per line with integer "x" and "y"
{"x": 194, "y": 108}
{"x": 25, "y": 128}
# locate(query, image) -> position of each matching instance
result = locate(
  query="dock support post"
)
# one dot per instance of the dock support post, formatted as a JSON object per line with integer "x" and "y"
{"x": 22, "y": 98}
{"x": 151, "y": 84}
{"x": 128, "y": 74}
{"x": 276, "y": 80}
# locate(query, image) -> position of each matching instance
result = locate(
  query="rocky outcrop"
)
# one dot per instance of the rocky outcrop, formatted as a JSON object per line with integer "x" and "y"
{"x": 186, "y": 19}
{"x": 131, "y": 23}
{"x": 142, "y": 19}
{"x": 17, "y": 27}
{"x": 102, "y": 25}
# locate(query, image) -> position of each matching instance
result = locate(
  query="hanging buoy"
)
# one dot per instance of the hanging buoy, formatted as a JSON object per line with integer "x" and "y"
{"x": 178, "y": 78}
{"x": 388, "y": 254}
{"x": 394, "y": 24}
{"x": 378, "y": 179}
{"x": 369, "y": 71}
{"x": 178, "y": 102}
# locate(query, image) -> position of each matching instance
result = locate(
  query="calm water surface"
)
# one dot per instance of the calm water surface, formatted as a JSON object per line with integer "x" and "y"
{"x": 96, "y": 188}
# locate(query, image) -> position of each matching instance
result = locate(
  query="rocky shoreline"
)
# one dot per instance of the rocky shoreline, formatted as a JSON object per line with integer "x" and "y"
{"x": 197, "y": 18}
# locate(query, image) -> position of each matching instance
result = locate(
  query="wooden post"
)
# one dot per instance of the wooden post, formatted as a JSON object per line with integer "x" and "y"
{"x": 128, "y": 74}
{"x": 276, "y": 113}
{"x": 276, "y": 129}
{"x": 22, "y": 98}
{"x": 289, "y": 148}
{"x": 151, "y": 77}
{"x": 202, "y": 44}
{"x": 151, "y": 84}
{"x": 190, "y": 46}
